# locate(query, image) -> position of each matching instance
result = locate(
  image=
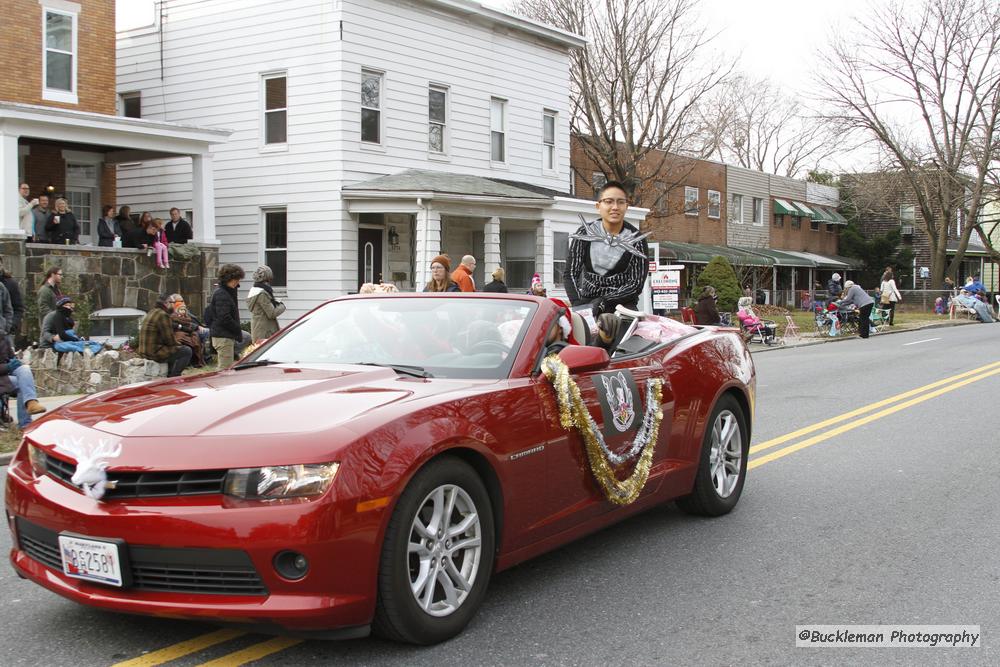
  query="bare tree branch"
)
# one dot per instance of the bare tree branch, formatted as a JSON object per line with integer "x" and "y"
{"x": 637, "y": 86}
{"x": 924, "y": 82}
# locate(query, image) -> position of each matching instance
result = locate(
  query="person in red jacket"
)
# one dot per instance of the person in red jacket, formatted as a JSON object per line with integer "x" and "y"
{"x": 463, "y": 274}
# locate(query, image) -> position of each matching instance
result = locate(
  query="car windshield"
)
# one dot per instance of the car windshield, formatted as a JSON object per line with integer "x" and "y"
{"x": 424, "y": 336}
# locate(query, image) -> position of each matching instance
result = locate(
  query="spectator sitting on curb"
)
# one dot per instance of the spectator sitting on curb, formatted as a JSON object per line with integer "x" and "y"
{"x": 58, "y": 332}
{"x": 16, "y": 376}
{"x": 196, "y": 340}
{"x": 156, "y": 338}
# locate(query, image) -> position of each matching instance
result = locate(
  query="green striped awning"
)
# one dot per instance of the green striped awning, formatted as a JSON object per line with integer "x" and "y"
{"x": 783, "y": 207}
{"x": 820, "y": 214}
{"x": 840, "y": 220}
{"x": 806, "y": 210}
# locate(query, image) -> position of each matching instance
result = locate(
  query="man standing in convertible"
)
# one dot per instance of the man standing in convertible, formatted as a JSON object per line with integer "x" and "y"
{"x": 607, "y": 262}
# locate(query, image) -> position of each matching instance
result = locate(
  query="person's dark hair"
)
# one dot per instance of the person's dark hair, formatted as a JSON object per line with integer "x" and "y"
{"x": 888, "y": 274}
{"x": 611, "y": 184}
{"x": 51, "y": 271}
{"x": 124, "y": 211}
{"x": 143, "y": 221}
{"x": 229, "y": 272}
{"x": 174, "y": 208}
{"x": 106, "y": 208}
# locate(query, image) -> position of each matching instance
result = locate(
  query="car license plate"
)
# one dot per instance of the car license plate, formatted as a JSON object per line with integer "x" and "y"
{"x": 91, "y": 560}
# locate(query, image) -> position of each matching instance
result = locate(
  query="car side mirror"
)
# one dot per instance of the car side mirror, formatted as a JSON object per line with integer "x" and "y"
{"x": 583, "y": 358}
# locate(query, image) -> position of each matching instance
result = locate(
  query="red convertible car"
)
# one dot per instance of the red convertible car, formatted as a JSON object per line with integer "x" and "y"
{"x": 373, "y": 464}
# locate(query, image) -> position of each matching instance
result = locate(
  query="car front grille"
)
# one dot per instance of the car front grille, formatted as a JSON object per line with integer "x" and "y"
{"x": 146, "y": 484}
{"x": 205, "y": 571}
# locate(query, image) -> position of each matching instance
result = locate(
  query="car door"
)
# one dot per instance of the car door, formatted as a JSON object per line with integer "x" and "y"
{"x": 574, "y": 496}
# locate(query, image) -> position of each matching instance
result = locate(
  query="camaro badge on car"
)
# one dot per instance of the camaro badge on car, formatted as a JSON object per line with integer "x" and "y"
{"x": 617, "y": 393}
{"x": 91, "y": 463}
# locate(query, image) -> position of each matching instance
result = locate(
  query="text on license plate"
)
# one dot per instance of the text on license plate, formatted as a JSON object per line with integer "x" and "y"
{"x": 92, "y": 560}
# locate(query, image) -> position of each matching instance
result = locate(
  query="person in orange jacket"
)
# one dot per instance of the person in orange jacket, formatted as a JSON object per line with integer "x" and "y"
{"x": 463, "y": 274}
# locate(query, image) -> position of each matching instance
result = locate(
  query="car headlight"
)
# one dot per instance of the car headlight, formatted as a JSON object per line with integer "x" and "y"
{"x": 310, "y": 479}
{"x": 39, "y": 461}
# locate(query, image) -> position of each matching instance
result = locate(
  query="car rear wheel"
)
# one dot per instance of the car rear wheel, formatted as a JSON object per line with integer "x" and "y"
{"x": 723, "y": 465}
{"x": 437, "y": 556}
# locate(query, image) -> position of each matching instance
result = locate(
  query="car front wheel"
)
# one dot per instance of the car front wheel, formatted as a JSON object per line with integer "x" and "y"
{"x": 722, "y": 467}
{"x": 437, "y": 556}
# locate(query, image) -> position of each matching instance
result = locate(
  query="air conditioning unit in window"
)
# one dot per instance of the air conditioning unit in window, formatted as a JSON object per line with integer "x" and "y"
{"x": 906, "y": 230}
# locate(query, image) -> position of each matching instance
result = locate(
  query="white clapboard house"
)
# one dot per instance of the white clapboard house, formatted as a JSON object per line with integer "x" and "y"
{"x": 367, "y": 136}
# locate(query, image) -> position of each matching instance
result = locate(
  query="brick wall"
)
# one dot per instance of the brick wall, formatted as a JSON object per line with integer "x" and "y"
{"x": 21, "y": 55}
{"x": 803, "y": 238}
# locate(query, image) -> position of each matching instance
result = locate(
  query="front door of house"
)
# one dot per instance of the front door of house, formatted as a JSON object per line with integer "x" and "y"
{"x": 369, "y": 255}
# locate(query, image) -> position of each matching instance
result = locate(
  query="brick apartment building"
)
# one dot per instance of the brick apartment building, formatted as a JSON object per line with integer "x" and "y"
{"x": 59, "y": 131}
{"x": 882, "y": 201}
{"x": 780, "y": 233}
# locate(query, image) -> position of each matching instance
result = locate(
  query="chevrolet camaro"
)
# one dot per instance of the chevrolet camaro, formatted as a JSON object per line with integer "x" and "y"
{"x": 374, "y": 463}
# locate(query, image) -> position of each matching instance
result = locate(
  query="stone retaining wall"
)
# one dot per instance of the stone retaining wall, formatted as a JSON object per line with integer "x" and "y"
{"x": 109, "y": 277}
{"x": 74, "y": 373}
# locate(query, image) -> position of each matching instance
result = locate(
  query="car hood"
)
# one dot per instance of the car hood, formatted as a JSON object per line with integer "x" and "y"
{"x": 263, "y": 401}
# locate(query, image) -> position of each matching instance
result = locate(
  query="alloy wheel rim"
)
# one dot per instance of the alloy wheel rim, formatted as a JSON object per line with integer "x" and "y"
{"x": 444, "y": 550}
{"x": 726, "y": 454}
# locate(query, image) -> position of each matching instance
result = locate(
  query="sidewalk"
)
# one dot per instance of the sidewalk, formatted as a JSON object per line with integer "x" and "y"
{"x": 813, "y": 338}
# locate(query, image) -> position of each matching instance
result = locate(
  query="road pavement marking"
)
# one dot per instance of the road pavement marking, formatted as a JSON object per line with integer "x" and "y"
{"x": 809, "y": 442}
{"x": 767, "y": 444}
{"x": 918, "y": 342}
{"x": 251, "y": 653}
{"x": 182, "y": 649}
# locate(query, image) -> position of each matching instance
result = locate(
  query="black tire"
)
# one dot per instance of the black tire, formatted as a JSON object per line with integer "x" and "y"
{"x": 705, "y": 499}
{"x": 398, "y": 616}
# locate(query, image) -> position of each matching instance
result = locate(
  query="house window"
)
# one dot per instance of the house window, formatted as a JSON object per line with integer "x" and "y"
{"x": 560, "y": 250}
{"x": 498, "y": 131}
{"x": 714, "y": 204}
{"x": 660, "y": 203}
{"x": 371, "y": 107}
{"x": 830, "y": 228}
{"x": 59, "y": 57}
{"x": 131, "y": 105}
{"x": 690, "y": 200}
{"x": 758, "y": 211}
{"x": 814, "y": 225}
{"x": 597, "y": 181}
{"x": 736, "y": 209}
{"x": 796, "y": 222}
{"x": 276, "y": 244}
{"x": 520, "y": 253}
{"x": 275, "y": 109}
{"x": 779, "y": 220}
{"x": 437, "y": 114}
{"x": 549, "y": 140}
{"x": 907, "y": 214}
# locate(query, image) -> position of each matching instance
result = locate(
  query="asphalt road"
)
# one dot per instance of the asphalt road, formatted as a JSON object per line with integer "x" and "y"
{"x": 888, "y": 517}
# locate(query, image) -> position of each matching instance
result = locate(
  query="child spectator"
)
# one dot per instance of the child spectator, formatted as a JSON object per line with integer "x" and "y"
{"x": 160, "y": 243}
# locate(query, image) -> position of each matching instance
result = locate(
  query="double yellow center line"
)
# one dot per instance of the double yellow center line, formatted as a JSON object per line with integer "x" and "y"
{"x": 860, "y": 417}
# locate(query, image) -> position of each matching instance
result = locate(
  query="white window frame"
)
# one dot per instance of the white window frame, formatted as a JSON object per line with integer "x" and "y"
{"x": 550, "y": 158}
{"x": 276, "y": 146}
{"x": 380, "y": 74}
{"x": 438, "y": 88}
{"x": 718, "y": 204}
{"x": 692, "y": 212}
{"x": 736, "y": 209}
{"x": 262, "y": 246}
{"x": 72, "y": 10}
{"x": 504, "y": 131}
{"x": 133, "y": 95}
{"x": 758, "y": 211}
{"x": 903, "y": 219}
{"x": 555, "y": 260}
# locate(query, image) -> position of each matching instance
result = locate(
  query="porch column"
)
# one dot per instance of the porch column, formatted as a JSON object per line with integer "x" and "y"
{"x": 774, "y": 286}
{"x": 10, "y": 223}
{"x": 543, "y": 252}
{"x": 795, "y": 272}
{"x": 427, "y": 245}
{"x": 491, "y": 247}
{"x": 203, "y": 197}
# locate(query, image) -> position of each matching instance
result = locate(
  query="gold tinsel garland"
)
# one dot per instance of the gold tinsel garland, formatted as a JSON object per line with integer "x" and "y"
{"x": 573, "y": 413}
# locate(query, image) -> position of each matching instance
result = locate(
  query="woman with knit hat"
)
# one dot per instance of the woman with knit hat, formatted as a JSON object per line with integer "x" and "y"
{"x": 440, "y": 276}
{"x": 264, "y": 308}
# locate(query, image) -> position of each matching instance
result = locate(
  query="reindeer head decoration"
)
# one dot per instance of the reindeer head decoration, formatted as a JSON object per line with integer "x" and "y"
{"x": 91, "y": 463}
